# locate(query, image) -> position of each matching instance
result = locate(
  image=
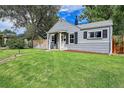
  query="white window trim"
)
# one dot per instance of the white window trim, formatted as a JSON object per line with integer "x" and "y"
{"x": 88, "y": 35}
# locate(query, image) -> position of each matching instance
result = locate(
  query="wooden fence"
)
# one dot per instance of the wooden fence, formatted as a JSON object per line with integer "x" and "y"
{"x": 118, "y": 44}
{"x": 43, "y": 44}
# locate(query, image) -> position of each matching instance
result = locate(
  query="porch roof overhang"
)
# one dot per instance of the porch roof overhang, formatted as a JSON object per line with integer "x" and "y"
{"x": 56, "y": 31}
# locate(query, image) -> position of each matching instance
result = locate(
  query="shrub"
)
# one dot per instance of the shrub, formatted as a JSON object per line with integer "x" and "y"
{"x": 118, "y": 40}
{"x": 2, "y": 43}
{"x": 16, "y": 43}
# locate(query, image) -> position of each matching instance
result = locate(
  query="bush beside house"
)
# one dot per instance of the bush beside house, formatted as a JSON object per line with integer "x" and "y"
{"x": 16, "y": 43}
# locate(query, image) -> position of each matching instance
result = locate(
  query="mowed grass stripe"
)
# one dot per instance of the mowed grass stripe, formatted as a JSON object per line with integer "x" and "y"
{"x": 39, "y": 68}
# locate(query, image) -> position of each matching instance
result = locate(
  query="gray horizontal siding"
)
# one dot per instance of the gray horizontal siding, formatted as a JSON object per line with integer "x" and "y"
{"x": 91, "y": 47}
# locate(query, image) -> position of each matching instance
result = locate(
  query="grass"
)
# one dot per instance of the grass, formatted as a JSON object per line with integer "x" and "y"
{"x": 38, "y": 68}
{"x": 7, "y": 53}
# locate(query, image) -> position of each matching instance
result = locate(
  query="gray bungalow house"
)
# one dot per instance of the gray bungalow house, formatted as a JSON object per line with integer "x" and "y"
{"x": 92, "y": 37}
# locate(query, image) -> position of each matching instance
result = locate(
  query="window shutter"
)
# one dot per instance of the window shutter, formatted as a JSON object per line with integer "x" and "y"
{"x": 76, "y": 37}
{"x": 85, "y": 35}
{"x": 66, "y": 38}
{"x": 55, "y": 37}
{"x": 105, "y": 33}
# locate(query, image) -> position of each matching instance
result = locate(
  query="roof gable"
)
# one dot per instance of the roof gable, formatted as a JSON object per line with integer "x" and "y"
{"x": 62, "y": 26}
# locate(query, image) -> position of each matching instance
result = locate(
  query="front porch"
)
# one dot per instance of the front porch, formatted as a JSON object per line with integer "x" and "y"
{"x": 57, "y": 40}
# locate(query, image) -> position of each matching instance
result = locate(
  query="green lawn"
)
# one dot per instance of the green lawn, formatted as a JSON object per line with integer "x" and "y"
{"x": 7, "y": 53}
{"x": 38, "y": 68}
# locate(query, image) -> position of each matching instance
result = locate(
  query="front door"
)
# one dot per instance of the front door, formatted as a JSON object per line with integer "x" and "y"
{"x": 63, "y": 41}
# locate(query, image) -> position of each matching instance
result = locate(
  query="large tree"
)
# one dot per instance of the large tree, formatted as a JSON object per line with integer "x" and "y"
{"x": 38, "y": 18}
{"x": 106, "y": 12}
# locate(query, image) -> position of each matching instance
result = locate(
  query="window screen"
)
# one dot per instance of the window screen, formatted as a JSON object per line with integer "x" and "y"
{"x": 91, "y": 34}
{"x": 98, "y": 34}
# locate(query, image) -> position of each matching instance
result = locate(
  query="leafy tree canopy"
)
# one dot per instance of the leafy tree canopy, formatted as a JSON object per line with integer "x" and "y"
{"x": 37, "y": 19}
{"x": 106, "y": 12}
{"x": 41, "y": 18}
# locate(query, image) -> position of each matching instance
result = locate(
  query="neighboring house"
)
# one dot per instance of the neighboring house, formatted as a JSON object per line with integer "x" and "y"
{"x": 5, "y": 37}
{"x": 92, "y": 37}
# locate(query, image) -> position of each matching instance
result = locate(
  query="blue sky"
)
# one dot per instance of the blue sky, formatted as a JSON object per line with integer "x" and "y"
{"x": 66, "y": 12}
{"x": 69, "y": 13}
{"x": 7, "y": 24}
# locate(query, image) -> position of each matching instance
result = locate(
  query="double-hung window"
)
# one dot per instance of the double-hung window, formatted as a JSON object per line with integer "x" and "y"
{"x": 94, "y": 35}
{"x": 53, "y": 38}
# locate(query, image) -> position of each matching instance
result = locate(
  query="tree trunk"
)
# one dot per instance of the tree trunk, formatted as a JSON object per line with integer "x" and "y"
{"x": 32, "y": 44}
{"x": 33, "y": 36}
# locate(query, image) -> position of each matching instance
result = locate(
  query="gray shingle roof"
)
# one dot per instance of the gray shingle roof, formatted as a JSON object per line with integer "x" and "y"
{"x": 63, "y": 26}
{"x": 96, "y": 24}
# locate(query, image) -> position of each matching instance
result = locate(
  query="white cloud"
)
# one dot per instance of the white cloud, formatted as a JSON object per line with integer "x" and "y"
{"x": 20, "y": 30}
{"x": 70, "y": 8}
{"x": 7, "y": 24}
